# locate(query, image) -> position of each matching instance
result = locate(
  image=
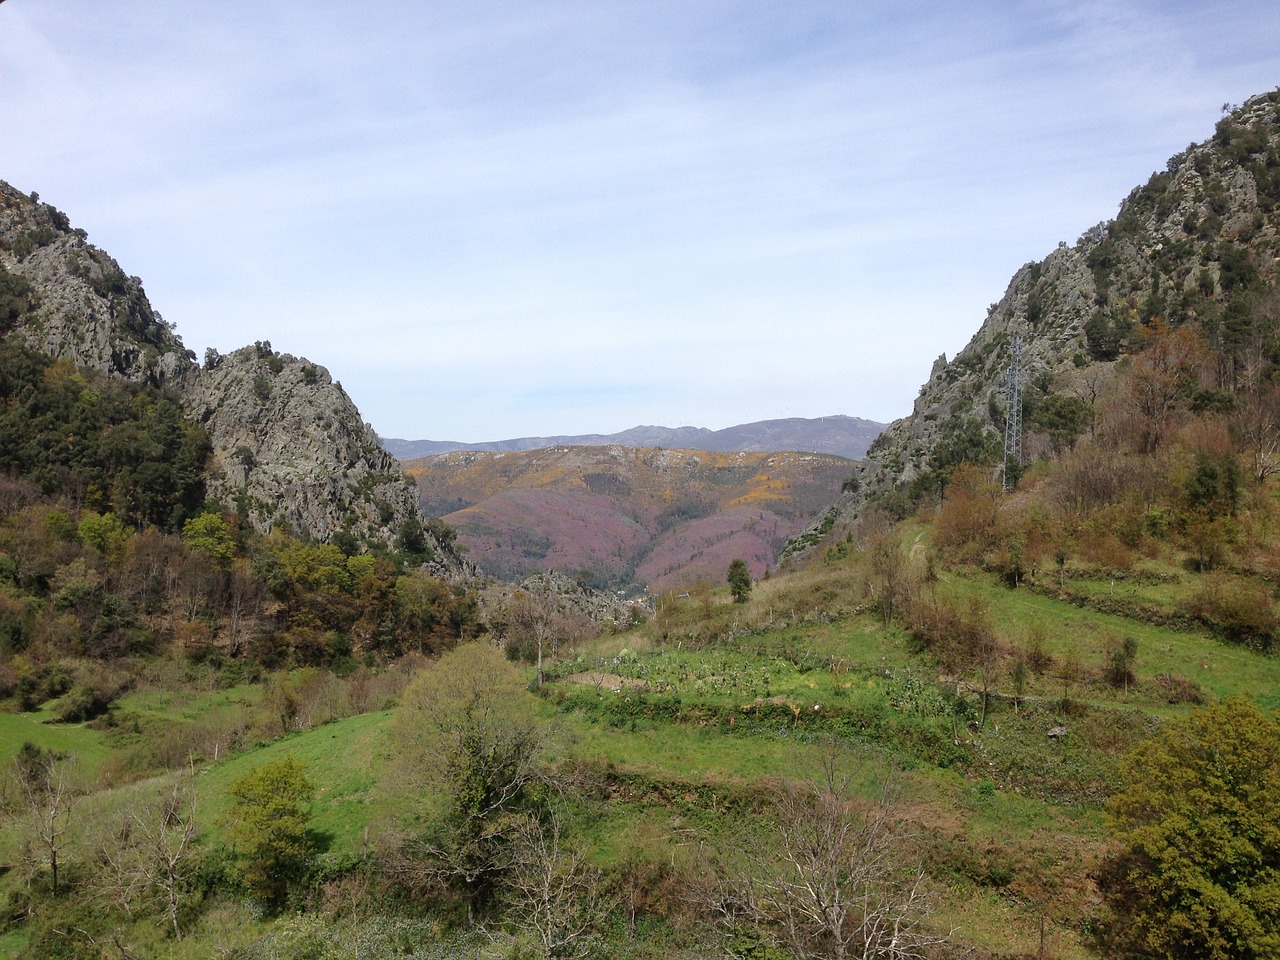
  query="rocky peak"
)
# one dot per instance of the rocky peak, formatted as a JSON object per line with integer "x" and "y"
{"x": 85, "y": 308}
{"x": 289, "y": 446}
{"x": 1192, "y": 245}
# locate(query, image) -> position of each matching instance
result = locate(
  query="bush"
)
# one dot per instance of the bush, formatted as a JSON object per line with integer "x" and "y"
{"x": 1195, "y": 875}
{"x": 1179, "y": 689}
{"x": 1237, "y": 612}
{"x": 84, "y": 702}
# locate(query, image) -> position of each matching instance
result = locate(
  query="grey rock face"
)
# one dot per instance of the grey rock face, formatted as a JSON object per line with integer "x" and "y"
{"x": 1217, "y": 203}
{"x": 289, "y": 446}
{"x": 86, "y": 309}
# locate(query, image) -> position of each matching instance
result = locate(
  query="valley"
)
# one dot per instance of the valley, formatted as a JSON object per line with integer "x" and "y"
{"x": 256, "y": 703}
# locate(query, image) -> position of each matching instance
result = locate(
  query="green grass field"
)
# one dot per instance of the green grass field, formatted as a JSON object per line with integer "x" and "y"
{"x": 688, "y": 725}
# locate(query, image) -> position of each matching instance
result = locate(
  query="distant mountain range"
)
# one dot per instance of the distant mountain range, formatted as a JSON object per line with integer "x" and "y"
{"x": 839, "y": 435}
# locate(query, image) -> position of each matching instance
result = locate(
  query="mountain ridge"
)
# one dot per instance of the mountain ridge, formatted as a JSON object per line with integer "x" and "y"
{"x": 839, "y": 435}
{"x": 629, "y": 517}
{"x": 1198, "y": 245}
{"x": 289, "y": 447}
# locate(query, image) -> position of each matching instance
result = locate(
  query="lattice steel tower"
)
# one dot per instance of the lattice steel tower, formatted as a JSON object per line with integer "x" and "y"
{"x": 1013, "y": 418}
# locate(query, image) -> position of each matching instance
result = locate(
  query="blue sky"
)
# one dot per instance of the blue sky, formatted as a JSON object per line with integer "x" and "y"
{"x": 497, "y": 219}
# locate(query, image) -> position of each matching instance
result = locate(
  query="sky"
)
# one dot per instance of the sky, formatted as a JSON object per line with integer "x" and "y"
{"x": 502, "y": 218}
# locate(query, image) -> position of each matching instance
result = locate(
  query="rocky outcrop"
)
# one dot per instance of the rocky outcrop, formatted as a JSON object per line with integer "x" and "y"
{"x": 1193, "y": 245}
{"x": 289, "y": 447}
{"x": 85, "y": 308}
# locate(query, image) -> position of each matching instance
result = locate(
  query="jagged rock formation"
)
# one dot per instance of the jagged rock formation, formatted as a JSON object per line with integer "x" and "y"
{"x": 1198, "y": 244}
{"x": 289, "y": 446}
{"x": 83, "y": 306}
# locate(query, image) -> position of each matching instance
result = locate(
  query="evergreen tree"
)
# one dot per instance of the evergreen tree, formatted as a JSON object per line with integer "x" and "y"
{"x": 739, "y": 580}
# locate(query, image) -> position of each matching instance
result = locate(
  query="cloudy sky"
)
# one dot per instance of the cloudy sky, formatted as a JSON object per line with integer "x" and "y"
{"x": 507, "y": 218}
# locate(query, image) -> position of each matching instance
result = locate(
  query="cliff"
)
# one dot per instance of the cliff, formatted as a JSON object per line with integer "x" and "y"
{"x": 289, "y": 446}
{"x": 1198, "y": 244}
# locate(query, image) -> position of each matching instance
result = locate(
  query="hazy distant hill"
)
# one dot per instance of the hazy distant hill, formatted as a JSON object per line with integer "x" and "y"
{"x": 839, "y": 435}
{"x": 628, "y": 516}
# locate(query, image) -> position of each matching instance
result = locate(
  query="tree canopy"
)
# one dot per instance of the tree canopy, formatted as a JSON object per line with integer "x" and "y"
{"x": 468, "y": 734}
{"x": 739, "y": 580}
{"x": 1198, "y": 875}
{"x": 267, "y": 826}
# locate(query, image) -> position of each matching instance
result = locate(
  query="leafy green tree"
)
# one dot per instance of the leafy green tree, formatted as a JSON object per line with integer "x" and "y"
{"x": 1063, "y": 418}
{"x": 16, "y": 298}
{"x": 739, "y": 580}
{"x": 469, "y": 739}
{"x": 104, "y": 532}
{"x": 422, "y": 604}
{"x": 1104, "y": 336}
{"x": 211, "y": 535}
{"x": 266, "y": 826}
{"x": 1214, "y": 484}
{"x": 411, "y": 540}
{"x": 963, "y": 440}
{"x": 1198, "y": 874}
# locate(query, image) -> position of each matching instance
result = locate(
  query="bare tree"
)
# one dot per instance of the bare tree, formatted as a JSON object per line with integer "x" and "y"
{"x": 986, "y": 654}
{"x": 1161, "y": 376}
{"x": 843, "y": 883}
{"x": 555, "y": 888}
{"x": 1255, "y": 426}
{"x": 46, "y": 791}
{"x": 1090, "y": 386}
{"x": 890, "y": 575}
{"x": 243, "y": 603}
{"x": 148, "y": 857}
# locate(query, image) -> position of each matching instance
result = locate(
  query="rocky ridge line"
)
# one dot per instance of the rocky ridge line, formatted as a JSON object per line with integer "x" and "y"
{"x": 1175, "y": 251}
{"x": 289, "y": 446}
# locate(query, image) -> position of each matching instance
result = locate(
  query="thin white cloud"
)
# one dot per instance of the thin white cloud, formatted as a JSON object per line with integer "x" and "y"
{"x": 498, "y": 218}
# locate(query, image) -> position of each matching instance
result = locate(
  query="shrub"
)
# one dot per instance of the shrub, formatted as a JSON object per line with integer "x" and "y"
{"x": 1237, "y": 612}
{"x": 1179, "y": 689}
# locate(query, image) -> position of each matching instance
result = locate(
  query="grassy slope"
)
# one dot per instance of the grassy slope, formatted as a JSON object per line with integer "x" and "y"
{"x": 344, "y": 760}
{"x": 1011, "y": 822}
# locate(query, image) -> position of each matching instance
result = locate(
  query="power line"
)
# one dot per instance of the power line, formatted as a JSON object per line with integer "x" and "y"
{"x": 1013, "y": 417}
